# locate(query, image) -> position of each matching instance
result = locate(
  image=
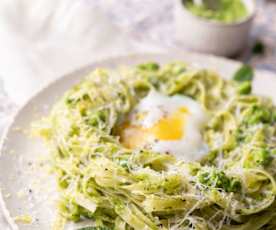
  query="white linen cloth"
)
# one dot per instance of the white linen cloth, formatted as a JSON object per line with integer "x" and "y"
{"x": 42, "y": 40}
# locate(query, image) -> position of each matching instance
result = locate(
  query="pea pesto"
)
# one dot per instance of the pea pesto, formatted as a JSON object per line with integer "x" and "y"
{"x": 106, "y": 184}
{"x": 227, "y": 11}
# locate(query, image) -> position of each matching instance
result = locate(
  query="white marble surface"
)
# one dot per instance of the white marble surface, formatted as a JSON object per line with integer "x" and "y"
{"x": 151, "y": 22}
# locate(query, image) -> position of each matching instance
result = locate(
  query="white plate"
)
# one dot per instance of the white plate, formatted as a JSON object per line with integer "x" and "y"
{"x": 17, "y": 176}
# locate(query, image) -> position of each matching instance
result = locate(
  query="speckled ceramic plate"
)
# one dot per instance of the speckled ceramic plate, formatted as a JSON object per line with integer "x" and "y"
{"x": 28, "y": 190}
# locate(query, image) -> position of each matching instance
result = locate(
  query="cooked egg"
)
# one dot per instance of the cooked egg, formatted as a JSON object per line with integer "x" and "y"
{"x": 166, "y": 124}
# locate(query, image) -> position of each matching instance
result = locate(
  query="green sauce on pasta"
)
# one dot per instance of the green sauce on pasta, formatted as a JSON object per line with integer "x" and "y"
{"x": 232, "y": 188}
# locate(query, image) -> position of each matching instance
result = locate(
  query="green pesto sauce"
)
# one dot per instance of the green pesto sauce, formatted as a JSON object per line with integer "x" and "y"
{"x": 228, "y": 11}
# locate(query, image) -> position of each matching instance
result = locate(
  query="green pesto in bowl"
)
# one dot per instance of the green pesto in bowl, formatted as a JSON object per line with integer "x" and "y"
{"x": 227, "y": 11}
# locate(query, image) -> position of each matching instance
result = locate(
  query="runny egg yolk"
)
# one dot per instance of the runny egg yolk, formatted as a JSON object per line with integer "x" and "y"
{"x": 168, "y": 128}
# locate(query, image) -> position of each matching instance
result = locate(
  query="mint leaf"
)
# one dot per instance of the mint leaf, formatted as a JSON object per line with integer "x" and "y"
{"x": 258, "y": 48}
{"x": 244, "y": 73}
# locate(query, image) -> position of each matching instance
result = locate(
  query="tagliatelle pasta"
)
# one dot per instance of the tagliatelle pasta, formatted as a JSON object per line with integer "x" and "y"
{"x": 232, "y": 188}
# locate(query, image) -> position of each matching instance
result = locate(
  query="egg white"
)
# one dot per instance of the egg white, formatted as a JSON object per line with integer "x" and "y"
{"x": 156, "y": 107}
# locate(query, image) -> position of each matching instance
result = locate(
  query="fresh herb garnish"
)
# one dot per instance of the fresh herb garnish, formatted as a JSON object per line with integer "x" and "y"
{"x": 244, "y": 73}
{"x": 258, "y": 48}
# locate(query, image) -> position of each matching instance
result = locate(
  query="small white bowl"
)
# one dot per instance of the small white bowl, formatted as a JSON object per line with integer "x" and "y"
{"x": 207, "y": 36}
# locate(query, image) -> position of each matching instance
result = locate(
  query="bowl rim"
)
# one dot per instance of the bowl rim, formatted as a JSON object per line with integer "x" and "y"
{"x": 248, "y": 18}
